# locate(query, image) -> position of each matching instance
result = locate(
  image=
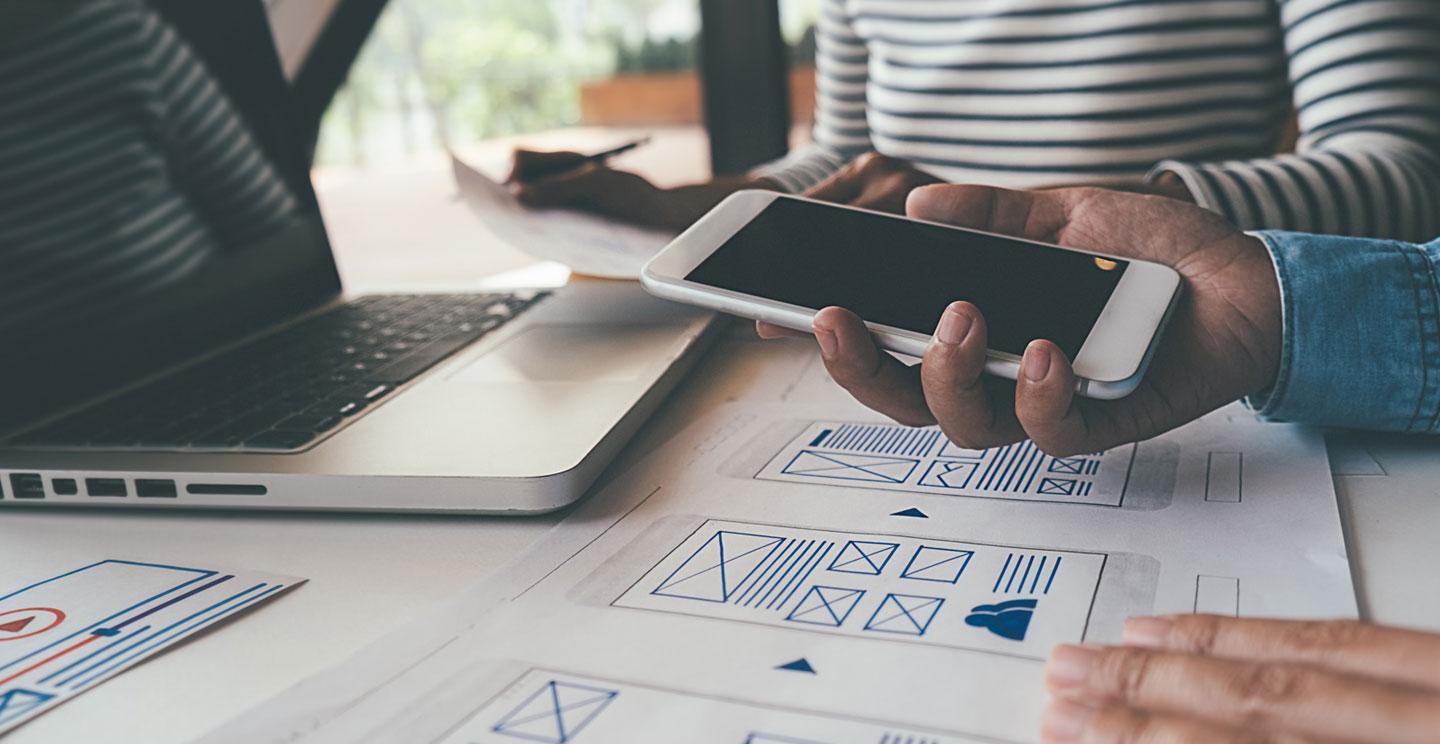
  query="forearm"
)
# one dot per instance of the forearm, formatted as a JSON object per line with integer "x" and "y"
{"x": 1361, "y": 344}
{"x": 690, "y": 202}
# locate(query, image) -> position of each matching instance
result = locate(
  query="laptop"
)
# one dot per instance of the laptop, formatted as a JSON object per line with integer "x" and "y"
{"x": 173, "y": 331}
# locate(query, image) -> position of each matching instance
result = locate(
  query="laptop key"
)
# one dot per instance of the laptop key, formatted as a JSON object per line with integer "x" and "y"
{"x": 301, "y": 381}
{"x": 423, "y": 358}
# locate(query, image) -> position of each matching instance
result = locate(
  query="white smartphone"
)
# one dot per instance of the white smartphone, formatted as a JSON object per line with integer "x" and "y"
{"x": 781, "y": 258}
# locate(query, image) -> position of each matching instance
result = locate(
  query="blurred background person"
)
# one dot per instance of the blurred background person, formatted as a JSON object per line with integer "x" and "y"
{"x": 1190, "y": 100}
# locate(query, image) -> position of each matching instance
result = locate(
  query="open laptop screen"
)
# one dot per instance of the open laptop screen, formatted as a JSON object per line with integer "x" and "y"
{"x": 154, "y": 201}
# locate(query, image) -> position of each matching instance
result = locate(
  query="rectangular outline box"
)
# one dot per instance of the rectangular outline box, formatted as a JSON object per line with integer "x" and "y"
{"x": 1224, "y": 483}
{"x": 1217, "y": 595}
{"x": 633, "y": 585}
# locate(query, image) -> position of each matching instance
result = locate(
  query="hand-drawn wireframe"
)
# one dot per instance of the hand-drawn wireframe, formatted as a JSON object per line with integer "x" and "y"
{"x": 19, "y": 703}
{"x": 906, "y": 614}
{"x": 879, "y": 439}
{"x": 555, "y": 707}
{"x": 74, "y": 630}
{"x": 826, "y": 605}
{"x": 555, "y": 713}
{"x": 1022, "y": 574}
{"x": 1009, "y": 619}
{"x": 931, "y": 563}
{"x": 921, "y": 460}
{"x": 848, "y": 466}
{"x": 903, "y": 588}
{"x": 864, "y": 557}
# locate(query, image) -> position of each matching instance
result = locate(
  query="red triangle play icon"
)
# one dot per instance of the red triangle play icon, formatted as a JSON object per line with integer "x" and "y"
{"x": 15, "y": 626}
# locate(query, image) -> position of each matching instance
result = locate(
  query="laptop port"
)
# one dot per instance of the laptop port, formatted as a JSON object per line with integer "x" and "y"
{"x": 27, "y": 486}
{"x": 64, "y": 486}
{"x": 226, "y": 489}
{"x": 105, "y": 487}
{"x": 154, "y": 489}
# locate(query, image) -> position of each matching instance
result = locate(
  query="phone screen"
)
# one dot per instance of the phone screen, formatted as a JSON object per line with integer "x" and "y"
{"x": 903, "y": 274}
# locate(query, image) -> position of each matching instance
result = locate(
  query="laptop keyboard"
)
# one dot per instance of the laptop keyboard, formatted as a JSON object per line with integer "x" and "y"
{"x": 290, "y": 388}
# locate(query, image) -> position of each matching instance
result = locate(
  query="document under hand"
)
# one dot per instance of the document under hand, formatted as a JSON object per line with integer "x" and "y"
{"x": 813, "y": 574}
{"x": 588, "y": 244}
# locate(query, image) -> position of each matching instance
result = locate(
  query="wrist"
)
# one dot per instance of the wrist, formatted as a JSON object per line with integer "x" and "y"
{"x": 1266, "y": 314}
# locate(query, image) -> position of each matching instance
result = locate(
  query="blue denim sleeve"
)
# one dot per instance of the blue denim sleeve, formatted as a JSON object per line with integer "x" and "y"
{"x": 1361, "y": 333}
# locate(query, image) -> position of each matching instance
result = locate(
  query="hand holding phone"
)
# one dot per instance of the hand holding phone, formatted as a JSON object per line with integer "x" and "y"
{"x": 1223, "y": 341}
{"x": 781, "y": 259}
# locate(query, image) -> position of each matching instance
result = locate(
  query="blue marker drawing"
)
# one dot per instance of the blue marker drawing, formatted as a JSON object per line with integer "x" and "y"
{"x": 943, "y": 565}
{"x": 718, "y": 569}
{"x": 955, "y": 474}
{"x": 17, "y": 703}
{"x": 851, "y": 467}
{"x": 1027, "y": 573}
{"x": 1006, "y": 619}
{"x": 864, "y": 557}
{"x": 905, "y": 614}
{"x": 798, "y": 665}
{"x": 1057, "y": 487}
{"x": 826, "y": 605}
{"x": 556, "y": 713}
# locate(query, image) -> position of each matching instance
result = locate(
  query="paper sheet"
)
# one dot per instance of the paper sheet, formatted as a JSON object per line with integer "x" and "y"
{"x": 703, "y": 589}
{"x": 588, "y": 244}
{"x": 63, "y": 631}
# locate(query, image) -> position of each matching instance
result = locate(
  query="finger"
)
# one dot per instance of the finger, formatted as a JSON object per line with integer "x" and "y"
{"x": 770, "y": 331}
{"x": 840, "y": 187}
{"x": 1270, "y": 696}
{"x": 1349, "y": 646}
{"x": 1035, "y": 215}
{"x": 1066, "y": 721}
{"x": 533, "y": 165}
{"x": 875, "y": 378}
{"x": 888, "y": 195}
{"x": 952, "y": 376}
{"x": 1044, "y": 402}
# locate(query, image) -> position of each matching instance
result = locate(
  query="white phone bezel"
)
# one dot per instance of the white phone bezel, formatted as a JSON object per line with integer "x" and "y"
{"x": 1111, "y": 361}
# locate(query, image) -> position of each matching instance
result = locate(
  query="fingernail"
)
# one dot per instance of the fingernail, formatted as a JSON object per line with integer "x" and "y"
{"x": 1069, "y": 666}
{"x": 1147, "y": 632}
{"x": 1037, "y": 362}
{"x": 954, "y": 327}
{"x": 1064, "y": 721}
{"x": 828, "y": 342}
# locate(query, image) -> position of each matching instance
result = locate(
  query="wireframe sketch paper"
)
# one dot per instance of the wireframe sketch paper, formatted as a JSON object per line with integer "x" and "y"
{"x": 708, "y": 592}
{"x": 64, "y": 632}
{"x": 588, "y": 244}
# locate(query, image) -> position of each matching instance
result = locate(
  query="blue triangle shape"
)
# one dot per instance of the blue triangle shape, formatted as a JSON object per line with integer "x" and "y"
{"x": 798, "y": 665}
{"x": 911, "y": 512}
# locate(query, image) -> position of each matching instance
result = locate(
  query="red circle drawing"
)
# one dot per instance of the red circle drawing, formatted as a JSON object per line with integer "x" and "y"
{"x": 15, "y": 628}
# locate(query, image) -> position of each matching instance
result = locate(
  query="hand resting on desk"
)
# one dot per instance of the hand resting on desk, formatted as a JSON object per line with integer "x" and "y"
{"x": 1205, "y": 678}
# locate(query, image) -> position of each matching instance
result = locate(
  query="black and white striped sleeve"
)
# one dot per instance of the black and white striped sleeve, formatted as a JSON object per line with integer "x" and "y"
{"x": 841, "y": 132}
{"x": 1365, "y": 77}
{"x": 212, "y": 154}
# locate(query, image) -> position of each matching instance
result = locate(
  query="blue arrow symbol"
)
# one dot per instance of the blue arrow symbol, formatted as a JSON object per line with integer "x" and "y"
{"x": 911, "y": 512}
{"x": 798, "y": 665}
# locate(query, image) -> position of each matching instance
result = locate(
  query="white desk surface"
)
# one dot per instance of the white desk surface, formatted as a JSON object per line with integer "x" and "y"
{"x": 370, "y": 575}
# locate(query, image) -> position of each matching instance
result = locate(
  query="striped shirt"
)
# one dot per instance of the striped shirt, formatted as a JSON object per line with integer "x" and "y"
{"x": 1038, "y": 93}
{"x": 123, "y": 167}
